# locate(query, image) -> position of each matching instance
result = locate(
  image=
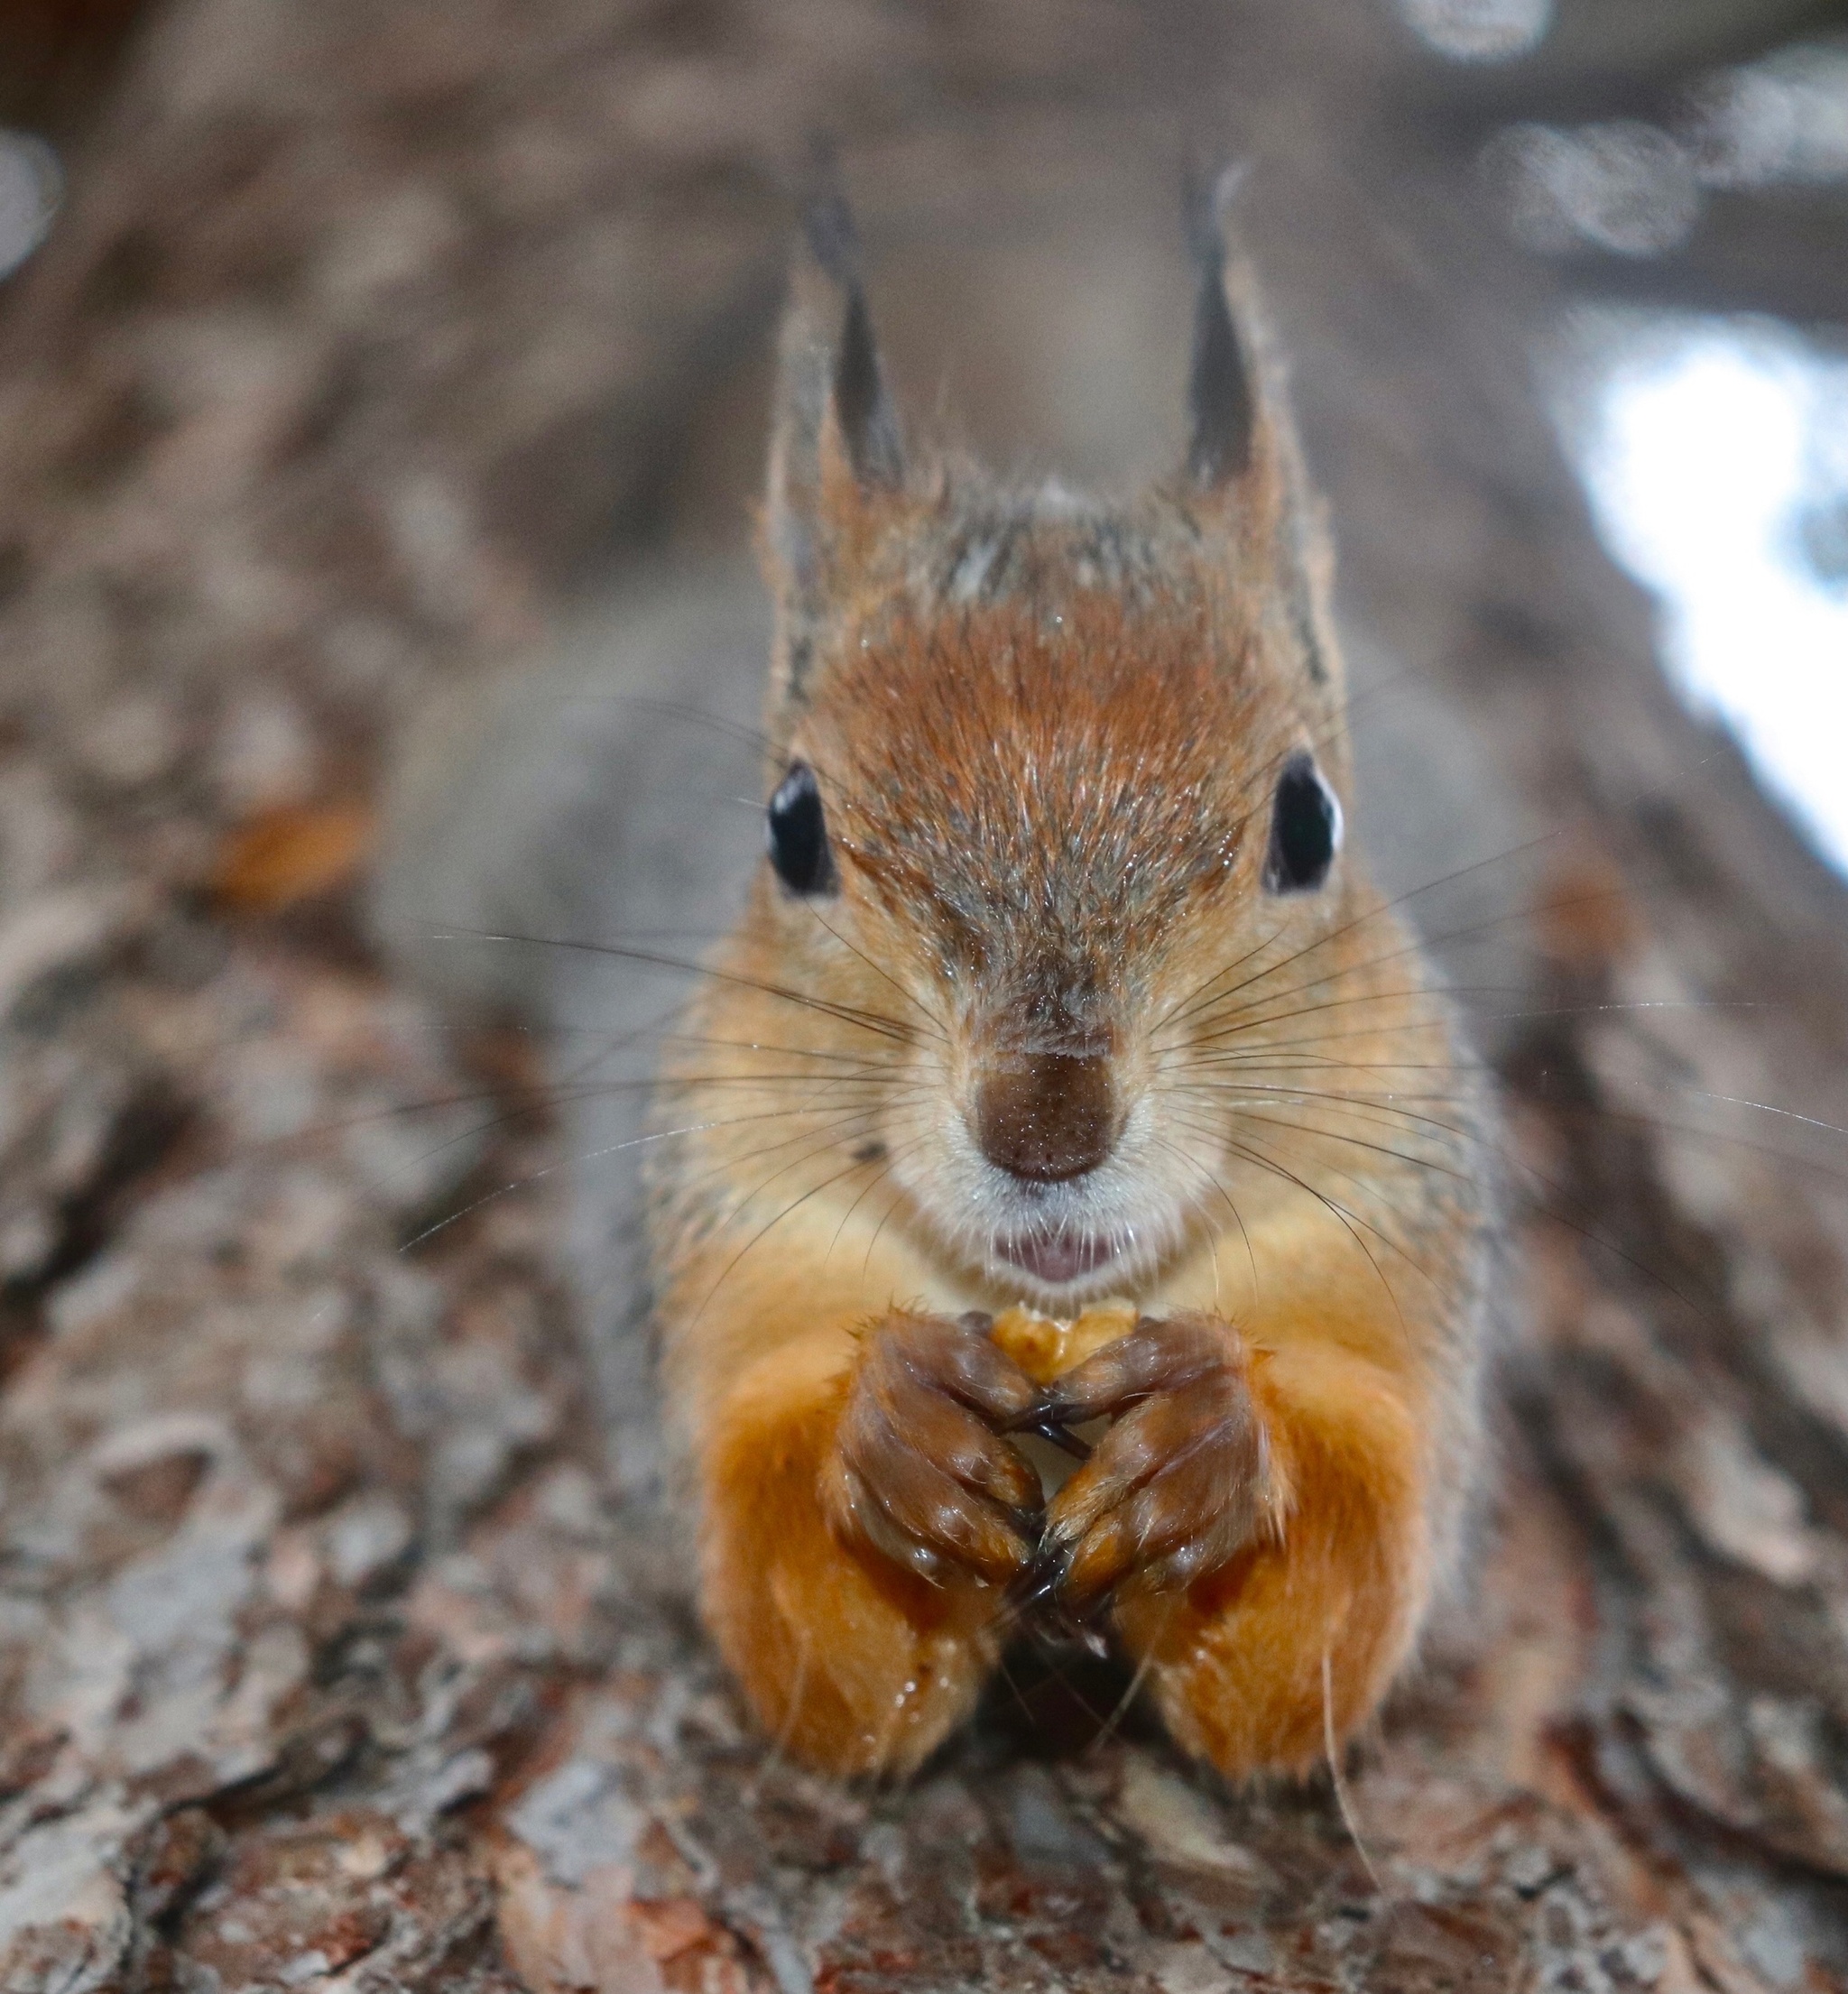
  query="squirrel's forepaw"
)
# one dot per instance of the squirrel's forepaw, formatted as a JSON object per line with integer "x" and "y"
{"x": 1180, "y": 1482}
{"x": 919, "y": 1472}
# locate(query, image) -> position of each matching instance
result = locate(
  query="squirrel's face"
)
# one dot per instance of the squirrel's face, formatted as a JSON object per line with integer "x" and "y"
{"x": 1050, "y": 774}
{"x": 1036, "y": 844}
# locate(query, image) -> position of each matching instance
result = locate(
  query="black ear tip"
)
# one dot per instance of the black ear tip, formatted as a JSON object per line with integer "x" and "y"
{"x": 1207, "y": 194}
{"x": 1200, "y": 218}
{"x": 1220, "y": 399}
{"x": 827, "y": 218}
{"x": 827, "y": 226}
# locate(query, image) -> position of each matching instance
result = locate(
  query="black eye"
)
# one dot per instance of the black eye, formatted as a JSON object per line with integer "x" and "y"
{"x": 798, "y": 834}
{"x": 1304, "y": 829}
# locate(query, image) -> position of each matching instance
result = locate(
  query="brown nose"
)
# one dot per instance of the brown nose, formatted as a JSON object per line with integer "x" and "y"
{"x": 1046, "y": 1116}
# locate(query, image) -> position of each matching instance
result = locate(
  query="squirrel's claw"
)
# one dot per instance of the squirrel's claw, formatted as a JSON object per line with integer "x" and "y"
{"x": 1180, "y": 1481}
{"x": 1046, "y": 1424}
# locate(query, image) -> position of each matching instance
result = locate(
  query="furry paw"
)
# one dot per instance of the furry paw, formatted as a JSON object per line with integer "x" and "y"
{"x": 920, "y": 1471}
{"x": 1178, "y": 1484}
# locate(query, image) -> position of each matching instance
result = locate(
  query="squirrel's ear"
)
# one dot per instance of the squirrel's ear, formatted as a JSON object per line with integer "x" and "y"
{"x": 836, "y": 447}
{"x": 1223, "y": 412}
{"x": 1244, "y": 467}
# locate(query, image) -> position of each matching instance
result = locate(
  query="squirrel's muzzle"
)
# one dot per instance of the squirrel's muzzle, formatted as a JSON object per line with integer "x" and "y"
{"x": 1046, "y": 1116}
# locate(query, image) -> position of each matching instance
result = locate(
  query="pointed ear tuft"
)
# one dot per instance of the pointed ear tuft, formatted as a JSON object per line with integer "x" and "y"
{"x": 828, "y": 224}
{"x": 868, "y": 422}
{"x": 835, "y": 448}
{"x": 862, "y": 408}
{"x": 1243, "y": 461}
{"x": 1222, "y": 399}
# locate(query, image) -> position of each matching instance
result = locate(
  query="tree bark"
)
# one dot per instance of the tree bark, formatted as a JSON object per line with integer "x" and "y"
{"x": 340, "y": 1646}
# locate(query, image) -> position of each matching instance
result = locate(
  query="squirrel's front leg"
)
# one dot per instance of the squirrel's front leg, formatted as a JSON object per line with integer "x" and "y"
{"x": 1256, "y": 1517}
{"x": 862, "y": 1517}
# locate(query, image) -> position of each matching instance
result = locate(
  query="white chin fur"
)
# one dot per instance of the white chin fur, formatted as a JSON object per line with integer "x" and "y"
{"x": 978, "y": 1212}
{"x": 1122, "y": 1275}
{"x": 1007, "y": 1235}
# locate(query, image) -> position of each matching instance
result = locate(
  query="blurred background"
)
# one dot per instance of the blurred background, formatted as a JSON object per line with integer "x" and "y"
{"x": 1676, "y": 171}
{"x": 382, "y": 399}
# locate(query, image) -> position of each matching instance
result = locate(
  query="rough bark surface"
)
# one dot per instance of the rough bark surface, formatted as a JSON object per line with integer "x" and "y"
{"x": 335, "y": 1651}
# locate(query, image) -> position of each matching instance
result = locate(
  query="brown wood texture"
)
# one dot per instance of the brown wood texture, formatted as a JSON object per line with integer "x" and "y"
{"x": 336, "y": 1650}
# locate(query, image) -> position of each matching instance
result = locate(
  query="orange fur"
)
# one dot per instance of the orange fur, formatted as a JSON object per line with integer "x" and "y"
{"x": 849, "y": 1662}
{"x": 1237, "y": 1664}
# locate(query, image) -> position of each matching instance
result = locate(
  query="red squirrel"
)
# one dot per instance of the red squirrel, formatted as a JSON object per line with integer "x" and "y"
{"x": 1059, "y": 994}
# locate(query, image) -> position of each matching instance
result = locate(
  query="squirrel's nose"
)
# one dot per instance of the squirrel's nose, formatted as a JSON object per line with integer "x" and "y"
{"x": 1046, "y": 1116}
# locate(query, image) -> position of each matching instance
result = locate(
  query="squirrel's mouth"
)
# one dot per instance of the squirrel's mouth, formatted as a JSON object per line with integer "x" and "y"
{"x": 1056, "y": 1257}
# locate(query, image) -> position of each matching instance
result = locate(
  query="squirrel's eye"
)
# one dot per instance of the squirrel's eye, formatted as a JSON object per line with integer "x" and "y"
{"x": 798, "y": 834}
{"x": 1304, "y": 829}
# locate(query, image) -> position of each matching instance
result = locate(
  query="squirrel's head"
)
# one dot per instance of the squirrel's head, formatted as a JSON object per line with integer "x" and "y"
{"x": 1055, "y": 787}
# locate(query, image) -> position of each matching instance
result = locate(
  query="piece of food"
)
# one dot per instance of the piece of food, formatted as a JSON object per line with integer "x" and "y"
{"x": 1045, "y": 1347}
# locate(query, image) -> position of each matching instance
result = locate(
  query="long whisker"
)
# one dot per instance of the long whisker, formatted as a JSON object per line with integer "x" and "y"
{"x": 1142, "y": 1670}
{"x": 1372, "y": 914}
{"x": 917, "y": 1002}
{"x": 1411, "y": 948}
{"x": 1194, "y": 1163}
{"x": 751, "y": 737}
{"x": 757, "y": 1238}
{"x": 1250, "y": 1023}
{"x": 848, "y": 1014}
{"x": 872, "y": 1062}
{"x": 1343, "y": 1800}
{"x": 892, "y": 1160}
{"x": 1390, "y": 1105}
{"x": 1348, "y": 1220}
{"x": 1376, "y": 1107}
{"x": 1587, "y": 1231}
{"x": 542, "y": 1100}
{"x": 613, "y": 1148}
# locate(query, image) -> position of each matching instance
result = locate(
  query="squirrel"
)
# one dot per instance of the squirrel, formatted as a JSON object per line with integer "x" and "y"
{"x": 1058, "y": 995}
